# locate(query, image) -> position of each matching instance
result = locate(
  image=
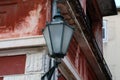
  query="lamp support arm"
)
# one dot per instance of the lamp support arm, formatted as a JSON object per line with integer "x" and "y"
{"x": 50, "y": 72}
{"x": 56, "y": 15}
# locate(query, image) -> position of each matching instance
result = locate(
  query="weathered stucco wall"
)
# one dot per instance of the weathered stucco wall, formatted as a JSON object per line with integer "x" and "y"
{"x": 112, "y": 46}
{"x": 22, "y": 18}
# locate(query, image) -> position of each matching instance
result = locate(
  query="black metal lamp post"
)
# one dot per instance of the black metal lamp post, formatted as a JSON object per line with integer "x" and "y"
{"x": 57, "y": 35}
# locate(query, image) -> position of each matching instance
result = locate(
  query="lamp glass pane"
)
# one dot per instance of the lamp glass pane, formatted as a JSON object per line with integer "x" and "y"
{"x": 68, "y": 31}
{"x": 47, "y": 39}
{"x": 56, "y": 31}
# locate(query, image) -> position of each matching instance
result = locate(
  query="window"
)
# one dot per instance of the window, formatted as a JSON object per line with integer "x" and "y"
{"x": 104, "y": 31}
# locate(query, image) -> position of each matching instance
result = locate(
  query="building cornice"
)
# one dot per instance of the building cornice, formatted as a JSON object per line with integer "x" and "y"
{"x": 22, "y": 42}
{"x": 74, "y": 15}
{"x": 68, "y": 70}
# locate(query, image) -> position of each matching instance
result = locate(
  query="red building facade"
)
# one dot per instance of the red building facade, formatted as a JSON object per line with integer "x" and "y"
{"x": 23, "y": 52}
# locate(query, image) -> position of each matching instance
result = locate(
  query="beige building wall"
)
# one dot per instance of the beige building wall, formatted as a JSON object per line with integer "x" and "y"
{"x": 112, "y": 46}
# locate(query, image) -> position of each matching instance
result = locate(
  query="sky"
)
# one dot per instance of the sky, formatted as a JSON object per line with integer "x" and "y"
{"x": 117, "y": 3}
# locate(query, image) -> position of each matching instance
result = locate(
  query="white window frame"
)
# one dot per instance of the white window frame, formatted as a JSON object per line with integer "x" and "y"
{"x": 104, "y": 26}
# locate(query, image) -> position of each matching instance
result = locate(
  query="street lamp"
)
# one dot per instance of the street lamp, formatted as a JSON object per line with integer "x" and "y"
{"x": 57, "y": 35}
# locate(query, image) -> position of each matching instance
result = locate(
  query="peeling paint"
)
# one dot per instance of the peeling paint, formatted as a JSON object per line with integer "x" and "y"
{"x": 23, "y": 18}
{"x": 30, "y": 23}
